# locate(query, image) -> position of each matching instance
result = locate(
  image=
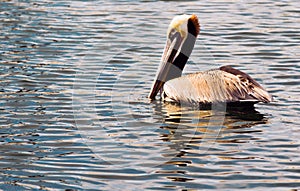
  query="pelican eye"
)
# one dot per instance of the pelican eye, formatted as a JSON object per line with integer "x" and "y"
{"x": 173, "y": 34}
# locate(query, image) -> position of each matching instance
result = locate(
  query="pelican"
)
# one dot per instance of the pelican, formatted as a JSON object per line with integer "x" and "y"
{"x": 224, "y": 84}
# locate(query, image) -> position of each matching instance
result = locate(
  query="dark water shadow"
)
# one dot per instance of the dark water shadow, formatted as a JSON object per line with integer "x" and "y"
{"x": 176, "y": 115}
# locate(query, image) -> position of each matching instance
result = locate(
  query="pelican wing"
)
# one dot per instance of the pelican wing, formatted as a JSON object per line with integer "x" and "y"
{"x": 221, "y": 85}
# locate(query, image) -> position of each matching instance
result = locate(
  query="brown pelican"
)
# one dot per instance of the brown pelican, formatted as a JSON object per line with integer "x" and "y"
{"x": 224, "y": 84}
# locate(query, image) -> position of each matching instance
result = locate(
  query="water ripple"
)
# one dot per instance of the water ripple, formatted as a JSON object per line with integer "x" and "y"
{"x": 74, "y": 111}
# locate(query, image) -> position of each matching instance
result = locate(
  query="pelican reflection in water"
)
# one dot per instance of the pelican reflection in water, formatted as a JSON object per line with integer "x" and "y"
{"x": 224, "y": 84}
{"x": 205, "y": 134}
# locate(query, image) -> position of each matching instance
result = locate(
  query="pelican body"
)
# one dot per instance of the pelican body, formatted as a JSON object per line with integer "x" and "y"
{"x": 224, "y": 84}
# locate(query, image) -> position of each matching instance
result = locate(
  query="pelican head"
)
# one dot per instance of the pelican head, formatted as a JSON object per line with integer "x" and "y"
{"x": 181, "y": 37}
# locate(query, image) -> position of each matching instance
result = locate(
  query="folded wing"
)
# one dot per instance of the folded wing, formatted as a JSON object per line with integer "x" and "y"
{"x": 225, "y": 84}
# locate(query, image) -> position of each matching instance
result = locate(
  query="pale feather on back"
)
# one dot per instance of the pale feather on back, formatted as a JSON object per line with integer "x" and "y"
{"x": 214, "y": 86}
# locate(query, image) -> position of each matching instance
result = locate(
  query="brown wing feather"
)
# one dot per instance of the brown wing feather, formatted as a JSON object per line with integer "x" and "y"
{"x": 239, "y": 73}
{"x": 252, "y": 88}
{"x": 224, "y": 85}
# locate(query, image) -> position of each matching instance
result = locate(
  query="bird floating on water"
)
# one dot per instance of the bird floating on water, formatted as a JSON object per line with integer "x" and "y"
{"x": 224, "y": 84}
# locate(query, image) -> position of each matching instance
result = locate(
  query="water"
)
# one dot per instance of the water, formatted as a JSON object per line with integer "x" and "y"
{"x": 74, "y": 112}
